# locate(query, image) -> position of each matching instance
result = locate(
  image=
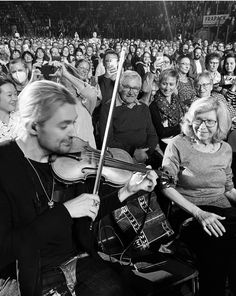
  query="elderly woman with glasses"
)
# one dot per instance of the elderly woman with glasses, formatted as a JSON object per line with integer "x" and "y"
{"x": 204, "y": 89}
{"x": 200, "y": 162}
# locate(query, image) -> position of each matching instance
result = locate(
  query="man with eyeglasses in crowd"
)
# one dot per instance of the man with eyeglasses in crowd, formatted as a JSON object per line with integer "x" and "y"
{"x": 131, "y": 128}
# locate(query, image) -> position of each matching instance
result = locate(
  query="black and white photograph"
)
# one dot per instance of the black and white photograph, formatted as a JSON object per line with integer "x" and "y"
{"x": 118, "y": 148}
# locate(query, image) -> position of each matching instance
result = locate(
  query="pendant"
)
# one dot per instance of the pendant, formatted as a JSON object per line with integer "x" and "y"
{"x": 51, "y": 204}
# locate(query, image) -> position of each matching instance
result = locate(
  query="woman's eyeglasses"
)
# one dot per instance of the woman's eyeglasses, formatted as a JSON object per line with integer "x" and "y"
{"x": 128, "y": 88}
{"x": 203, "y": 85}
{"x": 208, "y": 122}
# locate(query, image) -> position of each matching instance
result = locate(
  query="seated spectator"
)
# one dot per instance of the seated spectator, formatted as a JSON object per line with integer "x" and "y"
{"x": 9, "y": 119}
{"x": 71, "y": 49}
{"x": 228, "y": 72}
{"x": 144, "y": 65}
{"x": 167, "y": 62}
{"x": 93, "y": 60}
{"x": 167, "y": 109}
{"x": 40, "y": 58}
{"x": 55, "y": 55}
{"x": 212, "y": 65}
{"x": 197, "y": 64}
{"x": 78, "y": 55}
{"x": 28, "y": 57}
{"x": 19, "y": 73}
{"x": 65, "y": 54}
{"x": 185, "y": 86}
{"x": 131, "y": 128}
{"x": 204, "y": 89}
{"x": 15, "y": 54}
{"x": 200, "y": 161}
{"x": 137, "y": 57}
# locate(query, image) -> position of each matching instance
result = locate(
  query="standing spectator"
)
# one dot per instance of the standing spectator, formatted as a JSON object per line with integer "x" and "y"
{"x": 106, "y": 81}
{"x": 9, "y": 119}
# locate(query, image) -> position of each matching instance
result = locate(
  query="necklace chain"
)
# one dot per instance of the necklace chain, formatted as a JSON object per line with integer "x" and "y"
{"x": 50, "y": 200}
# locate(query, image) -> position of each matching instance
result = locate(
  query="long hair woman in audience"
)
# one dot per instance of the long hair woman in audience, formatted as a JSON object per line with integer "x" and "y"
{"x": 28, "y": 57}
{"x": 9, "y": 119}
{"x": 185, "y": 87}
{"x": 200, "y": 162}
{"x": 41, "y": 58}
{"x": 228, "y": 73}
{"x": 144, "y": 66}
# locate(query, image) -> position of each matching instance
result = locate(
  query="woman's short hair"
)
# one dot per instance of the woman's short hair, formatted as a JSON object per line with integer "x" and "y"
{"x": 14, "y": 51}
{"x": 206, "y": 75}
{"x": 130, "y": 74}
{"x": 211, "y": 56}
{"x": 205, "y": 105}
{"x": 168, "y": 73}
{"x": 80, "y": 61}
{"x": 40, "y": 99}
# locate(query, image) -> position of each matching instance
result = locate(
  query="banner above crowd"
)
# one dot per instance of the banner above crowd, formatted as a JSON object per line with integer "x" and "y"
{"x": 214, "y": 19}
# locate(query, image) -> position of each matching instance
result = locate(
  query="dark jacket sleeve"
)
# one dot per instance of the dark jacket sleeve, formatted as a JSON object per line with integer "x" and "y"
{"x": 111, "y": 140}
{"x": 162, "y": 132}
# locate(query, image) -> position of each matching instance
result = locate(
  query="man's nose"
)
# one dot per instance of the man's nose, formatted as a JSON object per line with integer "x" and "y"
{"x": 72, "y": 131}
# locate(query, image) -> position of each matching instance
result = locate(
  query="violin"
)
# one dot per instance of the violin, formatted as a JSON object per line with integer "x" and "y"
{"x": 82, "y": 162}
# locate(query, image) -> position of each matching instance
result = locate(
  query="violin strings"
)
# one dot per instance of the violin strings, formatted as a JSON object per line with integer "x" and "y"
{"x": 117, "y": 163}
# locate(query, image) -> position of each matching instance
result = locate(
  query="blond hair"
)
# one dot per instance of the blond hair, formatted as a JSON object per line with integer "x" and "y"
{"x": 205, "y": 105}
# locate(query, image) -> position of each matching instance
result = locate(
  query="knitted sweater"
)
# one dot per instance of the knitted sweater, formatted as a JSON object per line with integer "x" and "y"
{"x": 202, "y": 178}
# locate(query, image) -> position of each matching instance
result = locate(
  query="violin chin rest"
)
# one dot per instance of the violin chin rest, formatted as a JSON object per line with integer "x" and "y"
{"x": 53, "y": 157}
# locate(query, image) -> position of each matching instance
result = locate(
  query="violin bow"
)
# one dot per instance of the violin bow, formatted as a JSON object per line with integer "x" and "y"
{"x": 109, "y": 118}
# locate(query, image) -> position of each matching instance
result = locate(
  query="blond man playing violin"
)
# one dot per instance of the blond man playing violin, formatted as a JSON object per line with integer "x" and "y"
{"x": 45, "y": 224}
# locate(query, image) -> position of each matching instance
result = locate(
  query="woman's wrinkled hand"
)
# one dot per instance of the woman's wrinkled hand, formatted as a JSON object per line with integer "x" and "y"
{"x": 84, "y": 205}
{"x": 211, "y": 223}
